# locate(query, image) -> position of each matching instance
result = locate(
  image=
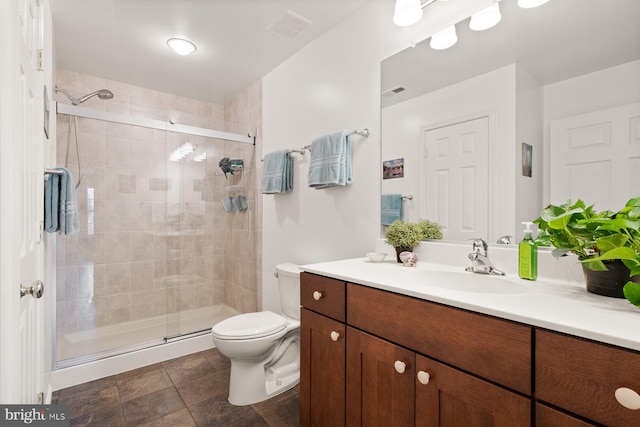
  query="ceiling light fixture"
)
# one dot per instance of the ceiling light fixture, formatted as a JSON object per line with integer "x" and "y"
{"x": 408, "y": 12}
{"x": 181, "y": 46}
{"x": 444, "y": 39}
{"x": 486, "y": 18}
{"x": 528, "y": 4}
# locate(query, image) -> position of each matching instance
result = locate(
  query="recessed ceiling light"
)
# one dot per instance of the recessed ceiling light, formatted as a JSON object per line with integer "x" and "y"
{"x": 181, "y": 46}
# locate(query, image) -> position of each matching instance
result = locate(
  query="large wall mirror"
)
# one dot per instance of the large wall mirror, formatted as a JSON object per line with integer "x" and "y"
{"x": 543, "y": 107}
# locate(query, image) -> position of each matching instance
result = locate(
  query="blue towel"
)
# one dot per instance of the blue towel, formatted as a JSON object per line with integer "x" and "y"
{"x": 51, "y": 197}
{"x": 330, "y": 163}
{"x": 277, "y": 172}
{"x": 60, "y": 205}
{"x": 391, "y": 208}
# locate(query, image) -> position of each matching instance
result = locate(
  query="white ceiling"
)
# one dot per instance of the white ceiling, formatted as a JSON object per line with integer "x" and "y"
{"x": 125, "y": 40}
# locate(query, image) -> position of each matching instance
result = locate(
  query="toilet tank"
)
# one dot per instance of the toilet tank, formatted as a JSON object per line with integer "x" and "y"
{"x": 289, "y": 286}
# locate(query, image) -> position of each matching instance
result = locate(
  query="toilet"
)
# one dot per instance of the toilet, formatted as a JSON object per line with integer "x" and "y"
{"x": 264, "y": 347}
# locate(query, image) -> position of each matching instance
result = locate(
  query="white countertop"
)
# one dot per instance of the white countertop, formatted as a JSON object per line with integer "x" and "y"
{"x": 556, "y": 305}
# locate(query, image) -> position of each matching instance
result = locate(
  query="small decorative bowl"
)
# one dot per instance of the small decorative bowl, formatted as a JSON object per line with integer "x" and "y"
{"x": 376, "y": 256}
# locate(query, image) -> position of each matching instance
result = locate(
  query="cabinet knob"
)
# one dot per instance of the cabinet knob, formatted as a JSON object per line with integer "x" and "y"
{"x": 334, "y": 336}
{"x": 317, "y": 295}
{"x": 628, "y": 398}
{"x": 400, "y": 366}
{"x": 424, "y": 377}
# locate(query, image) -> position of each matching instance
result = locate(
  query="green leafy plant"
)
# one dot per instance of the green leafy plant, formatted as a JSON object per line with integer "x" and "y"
{"x": 403, "y": 234}
{"x": 595, "y": 237}
{"x": 429, "y": 229}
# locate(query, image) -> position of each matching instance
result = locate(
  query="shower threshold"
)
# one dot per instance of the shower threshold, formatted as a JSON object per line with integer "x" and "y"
{"x": 107, "y": 341}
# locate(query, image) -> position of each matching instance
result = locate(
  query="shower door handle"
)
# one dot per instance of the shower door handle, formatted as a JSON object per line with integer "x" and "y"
{"x": 36, "y": 290}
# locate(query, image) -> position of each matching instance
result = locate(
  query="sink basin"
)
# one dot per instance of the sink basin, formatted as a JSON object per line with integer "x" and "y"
{"x": 472, "y": 282}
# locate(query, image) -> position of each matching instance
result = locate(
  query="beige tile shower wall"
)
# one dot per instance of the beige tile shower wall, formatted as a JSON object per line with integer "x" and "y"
{"x": 243, "y": 259}
{"x": 156, "y": 239}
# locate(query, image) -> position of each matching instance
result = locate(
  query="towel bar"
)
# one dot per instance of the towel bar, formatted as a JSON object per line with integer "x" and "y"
{"x": 362, "y": 132}
{"x": 52, "y": 172}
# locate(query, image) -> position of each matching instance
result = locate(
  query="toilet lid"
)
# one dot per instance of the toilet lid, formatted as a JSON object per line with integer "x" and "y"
{"x": 249, "y": 325}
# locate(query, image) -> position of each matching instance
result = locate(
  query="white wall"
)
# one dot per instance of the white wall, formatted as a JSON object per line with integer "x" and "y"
{"x": 334, "y": 83}
{"x": 529, "y": 111}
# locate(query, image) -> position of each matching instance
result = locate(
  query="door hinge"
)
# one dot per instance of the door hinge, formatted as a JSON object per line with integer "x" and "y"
{"x": 40, "y": 398}
{"x": 41, "y": 231}
{"x": 40, "y": 60}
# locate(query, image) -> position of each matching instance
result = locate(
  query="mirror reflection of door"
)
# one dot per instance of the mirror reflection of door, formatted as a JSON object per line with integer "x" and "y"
{"x": 596, "y": 157}
{"x": 456, "y": 178}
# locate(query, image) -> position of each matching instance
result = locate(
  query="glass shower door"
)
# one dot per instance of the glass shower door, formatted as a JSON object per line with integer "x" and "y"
{"x": 108, "y": 284}
{"x": 198, "y": 234}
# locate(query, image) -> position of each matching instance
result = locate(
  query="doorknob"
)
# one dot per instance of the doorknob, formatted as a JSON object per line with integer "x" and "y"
{"x": 36, "y": 290}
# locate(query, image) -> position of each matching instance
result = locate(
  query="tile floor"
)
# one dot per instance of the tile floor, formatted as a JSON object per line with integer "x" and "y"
{"x": 187, "y": 391}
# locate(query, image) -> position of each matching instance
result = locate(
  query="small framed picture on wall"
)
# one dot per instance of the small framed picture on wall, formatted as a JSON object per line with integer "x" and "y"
{"x": 527, "y": 159}
{"x": 393, "y": 168}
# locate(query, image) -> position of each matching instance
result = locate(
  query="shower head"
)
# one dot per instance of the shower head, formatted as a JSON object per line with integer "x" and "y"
{"x": 101, "y": 94}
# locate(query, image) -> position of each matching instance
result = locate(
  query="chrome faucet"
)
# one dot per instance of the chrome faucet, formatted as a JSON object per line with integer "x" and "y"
{"x": 504, "y": 240}
{"x": 480, "y": 259}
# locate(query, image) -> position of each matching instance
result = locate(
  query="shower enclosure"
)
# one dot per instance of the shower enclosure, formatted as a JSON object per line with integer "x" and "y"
{"x": 151, "y": 262}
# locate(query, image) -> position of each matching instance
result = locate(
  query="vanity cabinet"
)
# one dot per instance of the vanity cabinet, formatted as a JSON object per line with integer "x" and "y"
{"x": 373, "y": 357}
{"x": 589, "y": 379}
{"x": 387, "y": 378}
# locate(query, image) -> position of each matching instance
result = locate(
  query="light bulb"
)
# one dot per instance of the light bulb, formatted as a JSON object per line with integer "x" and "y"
{"x": 528, "y": 4}
{"x": 486, "y": 18}
{"x": 444, "y": 39}
{"x": 407, "y": 12}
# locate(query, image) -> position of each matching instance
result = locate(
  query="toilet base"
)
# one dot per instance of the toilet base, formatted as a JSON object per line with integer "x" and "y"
{"x": 244, "y": 377}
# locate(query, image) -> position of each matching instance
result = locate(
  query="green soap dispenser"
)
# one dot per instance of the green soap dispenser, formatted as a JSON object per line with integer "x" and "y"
{"x": 528, "y": 255}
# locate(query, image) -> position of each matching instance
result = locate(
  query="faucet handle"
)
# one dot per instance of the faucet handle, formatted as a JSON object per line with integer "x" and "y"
{"x": 479, "y": 246}
{"x": 504, "y": 240}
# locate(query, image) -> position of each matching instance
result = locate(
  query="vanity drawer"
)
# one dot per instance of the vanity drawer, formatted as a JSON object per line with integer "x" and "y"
{"x": 582, "y": 377}
{"x": 323, "y": 295}
{"x": 495, "y": 349}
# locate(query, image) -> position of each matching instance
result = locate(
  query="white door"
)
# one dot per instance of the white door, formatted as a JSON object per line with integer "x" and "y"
{"x": 456, "y": 179}
{"x": 21, "y": 200}
{"x": 596, "y": 157}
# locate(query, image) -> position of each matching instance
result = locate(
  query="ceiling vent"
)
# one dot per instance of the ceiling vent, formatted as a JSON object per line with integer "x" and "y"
{"x": 289, "y": 24}
{"x": 394, "y": 91}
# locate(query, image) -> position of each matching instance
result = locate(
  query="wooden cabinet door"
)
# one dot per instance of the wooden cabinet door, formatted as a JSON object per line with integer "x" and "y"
{"x": 380, "y": 386}
{"x": 447, "y": 397}
{"x": 322, "y": 370}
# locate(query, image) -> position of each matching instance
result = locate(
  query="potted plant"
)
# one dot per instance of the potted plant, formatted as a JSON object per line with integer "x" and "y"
{"x": 606, "y": 243}
{"x": 403, "y": 236}
{"x": 429, "y": 229}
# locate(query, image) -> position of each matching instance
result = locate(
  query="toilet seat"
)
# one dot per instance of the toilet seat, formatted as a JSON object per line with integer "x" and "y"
{"x": 249, "y": 325}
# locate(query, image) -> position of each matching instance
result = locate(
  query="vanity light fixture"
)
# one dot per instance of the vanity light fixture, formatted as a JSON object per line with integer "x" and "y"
{"x": 486, "y": 18}
{"x": 528, "y": 4}
{"x": 408, "y": 12}
{"x": 181, "y": 46}
{"x": 444, "y": 39}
